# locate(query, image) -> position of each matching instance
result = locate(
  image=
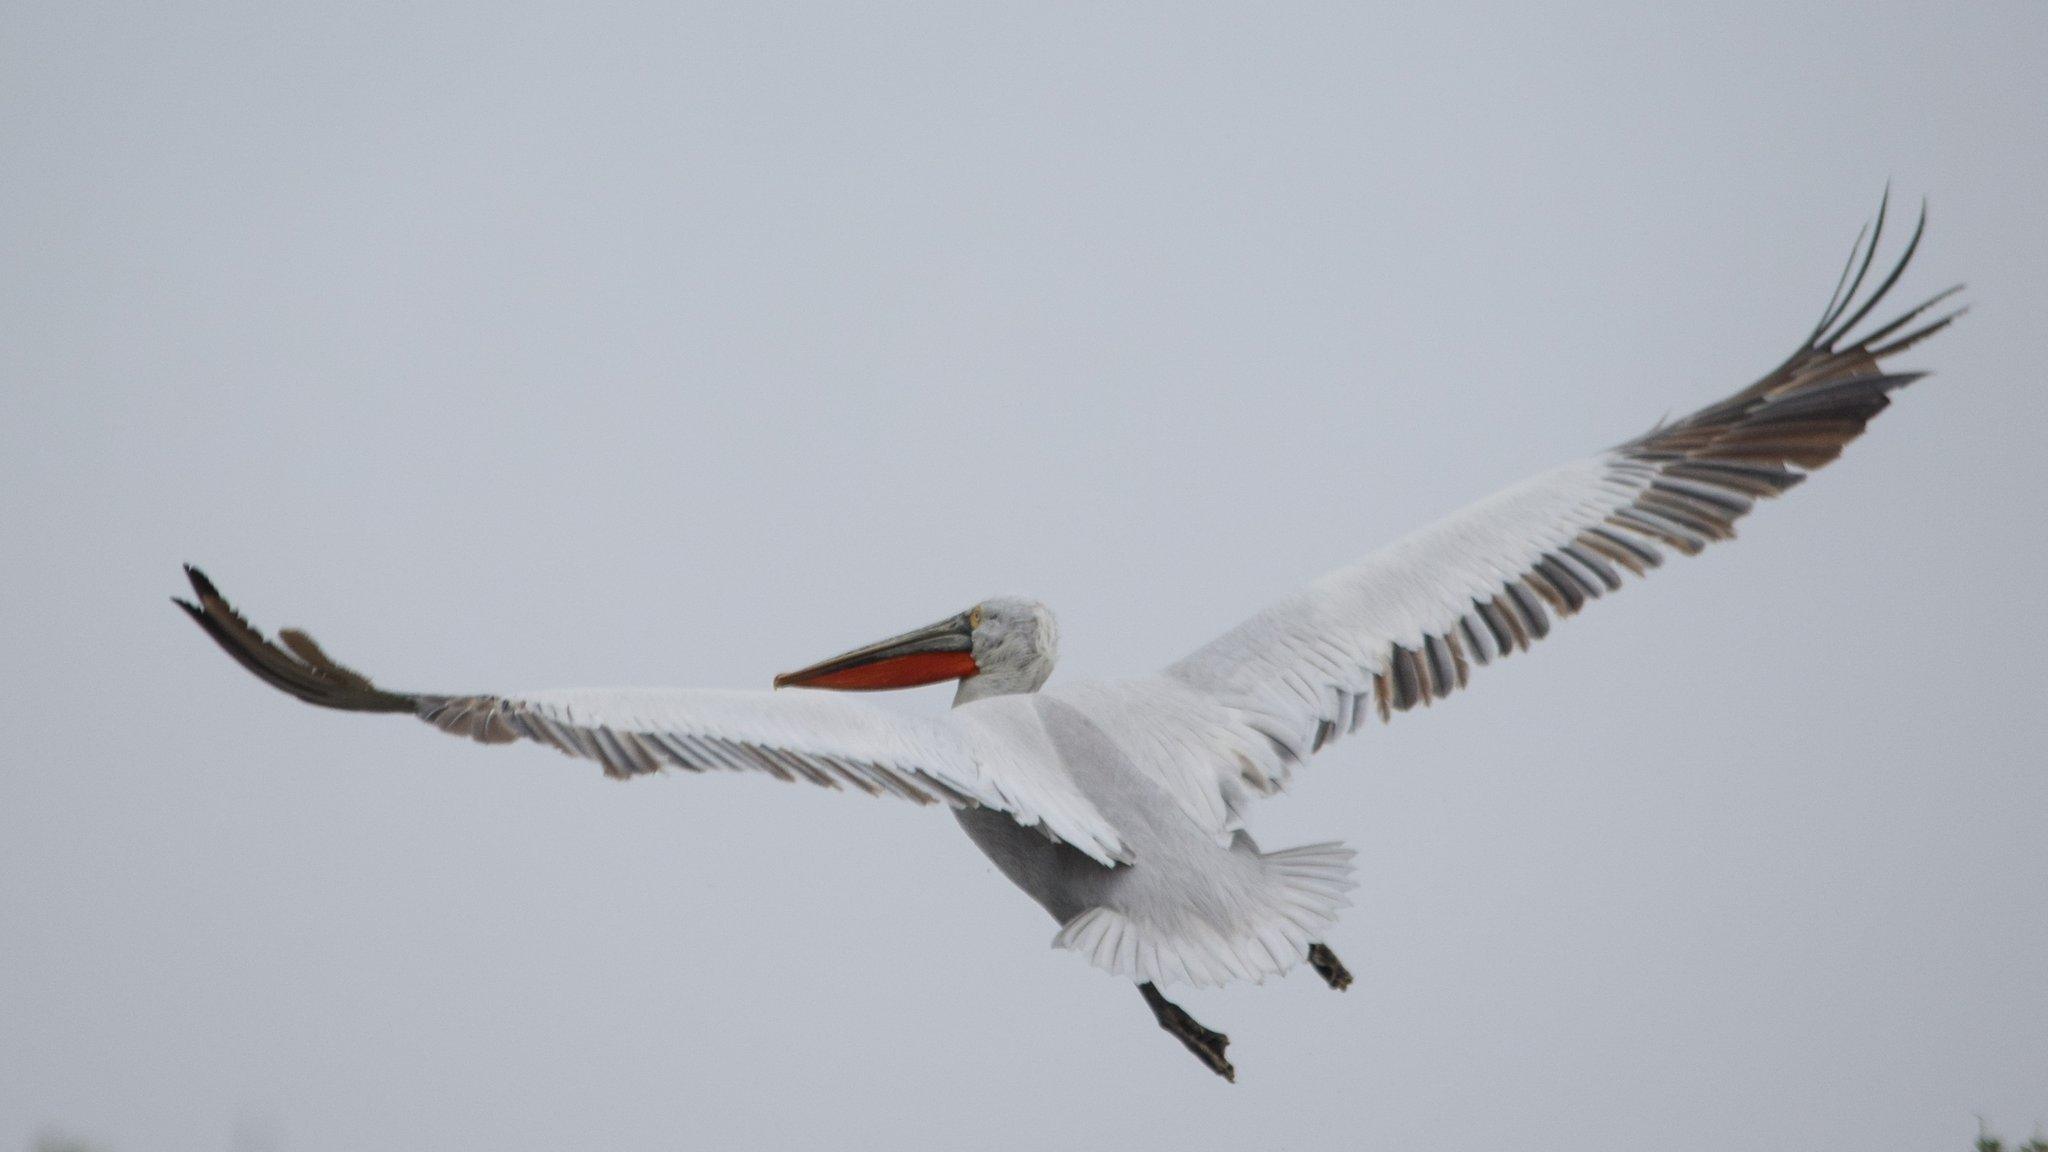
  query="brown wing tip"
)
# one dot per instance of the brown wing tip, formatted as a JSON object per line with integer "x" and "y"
{"x": 200, "y": 584}
{"x": 305, "y": 671}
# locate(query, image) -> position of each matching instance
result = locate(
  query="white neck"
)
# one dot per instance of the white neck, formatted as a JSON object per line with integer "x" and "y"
{"x": 1003, "y": 682}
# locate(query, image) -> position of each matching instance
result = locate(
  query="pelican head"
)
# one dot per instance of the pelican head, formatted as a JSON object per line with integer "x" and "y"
{"x": 1002, "y": 645}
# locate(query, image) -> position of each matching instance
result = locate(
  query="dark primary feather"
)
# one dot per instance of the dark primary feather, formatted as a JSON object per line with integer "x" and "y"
{"x": 300, "y": 668}
{"x": 296, "y": 665}
{"x": 1701, "y": 473}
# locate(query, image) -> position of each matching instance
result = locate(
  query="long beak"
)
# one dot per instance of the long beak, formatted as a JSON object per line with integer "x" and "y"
{"x": 942, "y": 651}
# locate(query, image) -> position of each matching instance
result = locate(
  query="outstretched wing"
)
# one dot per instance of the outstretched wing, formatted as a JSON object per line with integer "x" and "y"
{"x": 823, "y": 738}
{"x": 1406, "y": 625}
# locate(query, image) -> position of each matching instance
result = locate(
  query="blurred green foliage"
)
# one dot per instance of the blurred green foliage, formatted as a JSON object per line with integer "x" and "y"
{"x": 1988, "y": 1141}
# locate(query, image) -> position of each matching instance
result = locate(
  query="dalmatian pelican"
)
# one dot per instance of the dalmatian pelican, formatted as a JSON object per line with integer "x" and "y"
{"x": 1121, "y": 806}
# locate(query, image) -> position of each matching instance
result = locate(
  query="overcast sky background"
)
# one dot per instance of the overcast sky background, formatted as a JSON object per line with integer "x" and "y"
{"x": 516, "y": 346}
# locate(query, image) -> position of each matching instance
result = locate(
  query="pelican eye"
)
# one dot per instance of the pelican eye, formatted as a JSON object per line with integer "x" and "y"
{"x": 974, "y": 616}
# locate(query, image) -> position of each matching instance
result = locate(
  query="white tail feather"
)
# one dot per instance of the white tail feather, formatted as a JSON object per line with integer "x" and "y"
{"x": 1302, "y": 896}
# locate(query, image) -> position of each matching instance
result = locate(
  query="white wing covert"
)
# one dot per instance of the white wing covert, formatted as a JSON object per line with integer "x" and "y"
{"x": 1405, "y": 626}
{"x": 824, "y": 739}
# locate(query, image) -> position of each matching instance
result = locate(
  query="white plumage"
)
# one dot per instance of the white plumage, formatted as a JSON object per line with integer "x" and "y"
{"x": 1121, "y": 806}
{"x": 827, "y": 740}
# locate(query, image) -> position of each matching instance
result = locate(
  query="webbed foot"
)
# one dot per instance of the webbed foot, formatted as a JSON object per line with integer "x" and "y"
{"x": 1327, "y": 966}
{"x": 1207, "y": 1046}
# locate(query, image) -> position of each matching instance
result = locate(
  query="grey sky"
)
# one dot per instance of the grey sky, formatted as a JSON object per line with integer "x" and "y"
{"x": 514, "y": 346}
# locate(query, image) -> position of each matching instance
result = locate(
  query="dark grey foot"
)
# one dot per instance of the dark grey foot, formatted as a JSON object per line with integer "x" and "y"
{"x": 1206, "y": 1045}
{"x": 1330, "y": 968}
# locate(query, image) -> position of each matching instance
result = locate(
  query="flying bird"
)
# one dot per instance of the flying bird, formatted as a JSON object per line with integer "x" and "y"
{"x": 1120, "y": 806}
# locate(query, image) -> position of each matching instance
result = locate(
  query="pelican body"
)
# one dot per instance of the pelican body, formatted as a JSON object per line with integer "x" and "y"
{"x": 1121, "y": 806}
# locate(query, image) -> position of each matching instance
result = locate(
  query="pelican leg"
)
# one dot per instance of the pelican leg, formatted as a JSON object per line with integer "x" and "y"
{"x": 1206, "y": 1045}
{"x": 1327, "y": 966}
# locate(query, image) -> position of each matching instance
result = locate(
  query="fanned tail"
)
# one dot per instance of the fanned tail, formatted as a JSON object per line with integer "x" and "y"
{"x": 1302, "y": 891}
